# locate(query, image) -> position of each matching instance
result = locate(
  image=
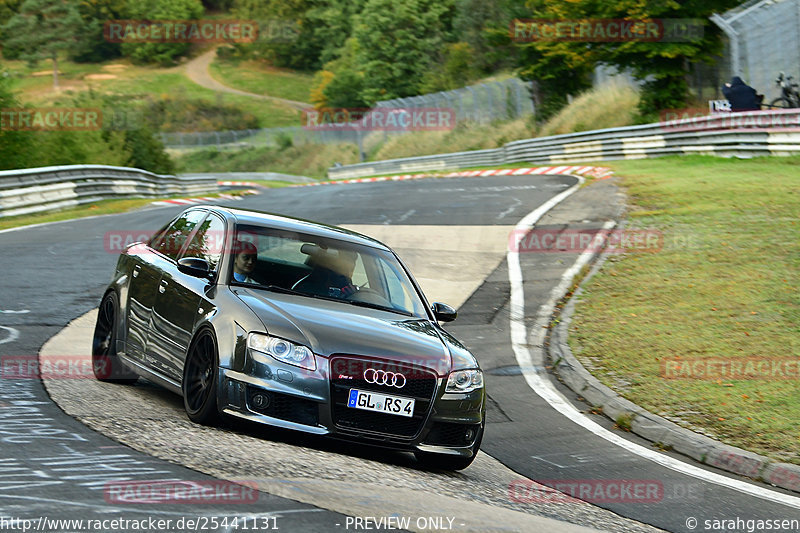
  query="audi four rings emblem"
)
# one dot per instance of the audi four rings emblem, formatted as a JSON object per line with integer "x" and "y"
{"x": 381, "y": 377}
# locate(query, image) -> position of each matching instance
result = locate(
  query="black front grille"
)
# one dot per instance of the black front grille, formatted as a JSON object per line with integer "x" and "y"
{"x": 449, "y": 434}
{"x": 348, "y": 373}
{"x": 283, "y": 406}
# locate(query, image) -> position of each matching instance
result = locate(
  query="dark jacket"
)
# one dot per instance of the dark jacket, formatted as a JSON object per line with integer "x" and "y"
{"x": 741, "y": 96}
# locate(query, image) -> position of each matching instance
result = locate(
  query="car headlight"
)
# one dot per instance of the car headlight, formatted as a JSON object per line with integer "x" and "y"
{"x": 282, "y": 350}
{"x": 464, "y": 381}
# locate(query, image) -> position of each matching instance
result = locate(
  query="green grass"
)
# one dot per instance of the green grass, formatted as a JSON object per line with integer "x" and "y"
{"x": 260, "y": 78}
{"x": 103, "y": 207}
{"x": 607, "y": 106}
{"x": 725, "y": 286}
{"x": 303, "y": 160}
{"x": 137, "y": 82}
{"x": 163, "y": 84}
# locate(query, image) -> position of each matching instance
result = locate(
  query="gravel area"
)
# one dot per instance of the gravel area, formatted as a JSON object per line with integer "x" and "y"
{"x": 334, "y": 475}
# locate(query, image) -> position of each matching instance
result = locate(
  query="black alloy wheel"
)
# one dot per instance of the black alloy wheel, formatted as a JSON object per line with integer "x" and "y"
{"x": 200, "y": 380}
{"x": 105, "y": 363}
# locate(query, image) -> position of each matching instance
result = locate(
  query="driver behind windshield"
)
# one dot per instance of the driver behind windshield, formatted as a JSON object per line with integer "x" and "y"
{"x": 331, "y": 272}
{"x": 244, "y": 261}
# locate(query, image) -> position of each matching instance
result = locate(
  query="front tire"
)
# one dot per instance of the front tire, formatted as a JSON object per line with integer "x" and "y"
{"x": 105, "y": 363}
{"x": 200, "y": 380}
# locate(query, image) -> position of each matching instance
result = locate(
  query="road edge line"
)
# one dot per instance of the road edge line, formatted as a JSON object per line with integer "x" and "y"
{"x": 650, "y": 426}
{"x": 522, "y": 338}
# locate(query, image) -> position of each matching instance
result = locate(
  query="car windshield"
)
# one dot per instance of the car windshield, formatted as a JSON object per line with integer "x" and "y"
{"x": 320, "y": 267}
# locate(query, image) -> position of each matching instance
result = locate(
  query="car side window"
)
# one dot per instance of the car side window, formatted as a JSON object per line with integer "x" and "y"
{"x": 359, "y": 277}
{"x": 208, "y": 242}
{"x": 172, "y": 240}
{"x": 398, "y": 291}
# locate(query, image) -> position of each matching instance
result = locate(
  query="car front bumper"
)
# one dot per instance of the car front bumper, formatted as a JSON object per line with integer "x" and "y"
{"x": 269, "y": 392}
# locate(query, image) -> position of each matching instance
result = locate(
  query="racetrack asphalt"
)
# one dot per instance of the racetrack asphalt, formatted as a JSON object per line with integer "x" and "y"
{"x": 58, "y": 272}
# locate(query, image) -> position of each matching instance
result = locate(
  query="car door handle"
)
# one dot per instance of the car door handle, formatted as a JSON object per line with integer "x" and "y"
{"x": 136, "y": 270}
{"x": 162, "y": 287}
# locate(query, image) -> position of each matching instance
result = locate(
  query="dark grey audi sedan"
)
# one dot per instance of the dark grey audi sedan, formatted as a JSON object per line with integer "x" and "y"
{"x": 293, "y": 324}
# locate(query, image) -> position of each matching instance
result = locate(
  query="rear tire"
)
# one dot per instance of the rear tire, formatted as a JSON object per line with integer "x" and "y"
{"x": 200, "y": 380}
{"x": 105, "y": 363}
{"x": 781, "y": 103}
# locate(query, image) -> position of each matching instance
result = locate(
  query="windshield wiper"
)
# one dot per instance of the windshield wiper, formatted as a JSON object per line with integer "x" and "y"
{"x": 284, "y": 290}
{"x": 378, "y": 306}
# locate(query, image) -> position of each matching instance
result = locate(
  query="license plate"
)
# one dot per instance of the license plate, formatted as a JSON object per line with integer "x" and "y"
{"x": 381, "y": 403}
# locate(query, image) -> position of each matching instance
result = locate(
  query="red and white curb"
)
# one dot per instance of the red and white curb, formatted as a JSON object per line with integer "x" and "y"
{"x": 239, "y": 184}
{"x": 588, "y": 171}
{"x": 203, "y": 199}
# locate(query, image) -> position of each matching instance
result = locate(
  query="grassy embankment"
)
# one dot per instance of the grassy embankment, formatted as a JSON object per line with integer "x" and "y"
{"x": 138, "y": 84}
{"x": 605, "y": 107}
{"x": 724, "y": 286}
{"x": 259, "y": 78}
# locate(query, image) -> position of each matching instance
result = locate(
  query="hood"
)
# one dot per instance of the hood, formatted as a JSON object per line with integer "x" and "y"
{"x": 330, "y": 327}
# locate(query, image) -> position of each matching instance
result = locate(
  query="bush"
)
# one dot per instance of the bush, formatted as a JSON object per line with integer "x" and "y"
{"x": 161, "y": 53}
{"x": 177, "y": 113}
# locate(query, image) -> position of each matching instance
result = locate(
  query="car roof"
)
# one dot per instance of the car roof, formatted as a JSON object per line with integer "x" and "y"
{"x": 281, "y": 222}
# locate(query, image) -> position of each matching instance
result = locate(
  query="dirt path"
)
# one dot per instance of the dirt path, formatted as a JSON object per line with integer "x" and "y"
{"x": 197, "y": 71}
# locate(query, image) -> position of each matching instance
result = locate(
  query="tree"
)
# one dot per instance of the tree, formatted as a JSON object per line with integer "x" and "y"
{"x": 456, "y": 70}
{"x": 341, "y": 83}
{"x": 397, "y": 42}
{"x": 472, "y": 24}
{"x": 661, "y": 65}
{"x": 286, "y": 35}
{"x": 42, "y": 29}
{"x": 14, "y": 148}
{"x": 91, "y": 45}
{"x": 8, "y": 8}
{"x": 155, "y": 10}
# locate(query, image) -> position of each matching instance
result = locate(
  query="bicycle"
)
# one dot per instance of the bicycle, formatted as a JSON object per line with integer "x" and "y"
{"x": 790, "y": 95}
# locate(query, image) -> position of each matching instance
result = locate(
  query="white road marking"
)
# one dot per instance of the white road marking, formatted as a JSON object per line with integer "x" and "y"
{"x": 13, "y": 335}
{"x": 542, "y": 386}
{"x": 407, "y": 214}
{"x": 511, "y": 209}
{"x": 10, "y": 312}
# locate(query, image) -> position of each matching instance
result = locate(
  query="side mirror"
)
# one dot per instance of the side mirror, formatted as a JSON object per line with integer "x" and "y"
{"x": 195, "y": 267}
{"x": 443, "y": 312}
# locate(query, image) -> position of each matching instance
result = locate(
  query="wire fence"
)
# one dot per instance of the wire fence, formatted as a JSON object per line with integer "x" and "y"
{"x": 483, "y": 103}
{"x": 763, "y": 40}
{"x": 294, "y": 135}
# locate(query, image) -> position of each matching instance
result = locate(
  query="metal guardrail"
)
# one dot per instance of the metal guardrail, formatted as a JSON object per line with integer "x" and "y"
{"x": 34, "y": 190}
{"x": 757, "y": 133}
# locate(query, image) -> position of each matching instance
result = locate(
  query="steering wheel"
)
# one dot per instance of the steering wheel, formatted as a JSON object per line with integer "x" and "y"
{"x": 370, "y": 296}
